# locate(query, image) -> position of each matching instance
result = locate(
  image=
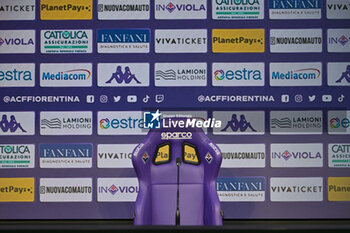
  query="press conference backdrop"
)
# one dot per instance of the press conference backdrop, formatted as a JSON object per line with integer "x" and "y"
{"x": 75, "y": 77}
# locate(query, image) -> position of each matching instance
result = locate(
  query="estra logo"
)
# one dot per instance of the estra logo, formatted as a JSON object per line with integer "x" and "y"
{"x": 120, "y": 123}
{"x": 117, "y": 189}
{"x": 17, "y": 10}
{"x": 238, "y": 74}
{"x": 338, "y": 122}
{"x": 114, "y": 155}
{"x": 66, "y": 75}
{"x": 17, "y": 75}
{"x": 17, "y": 41}
{"x": 66, "y": 10}
{"x": 296, "y": 74}
{"x": 238, "y": 40}
{"x": 17, "y": 123}
{"x": 123, "y": 74}
{"x": 180, "y": 9}
{"x": 297, "y": 155}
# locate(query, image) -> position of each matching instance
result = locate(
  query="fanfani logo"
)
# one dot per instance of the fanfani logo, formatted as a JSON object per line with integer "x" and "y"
{"x": 241, "y": 125}
{"x": 11, "y": 125}
{"x": 308, "y": 73}
{"x": 76, "y": 74}
{"x": 244, "y": 74}
{"x": 345, "y": 75}
{"x": 104, "y": 123}
{"x": 119, "y": 76}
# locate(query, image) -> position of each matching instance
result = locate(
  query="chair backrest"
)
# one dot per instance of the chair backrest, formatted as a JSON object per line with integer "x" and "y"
{"x": 155, "y": 163}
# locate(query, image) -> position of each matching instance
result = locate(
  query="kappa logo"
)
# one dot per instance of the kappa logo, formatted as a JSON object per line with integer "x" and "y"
{"x": 10, "y": 125}
{"x": 119, "y": 76}
{"x": 345, "y": 75}
{"x": 238, "y": 125}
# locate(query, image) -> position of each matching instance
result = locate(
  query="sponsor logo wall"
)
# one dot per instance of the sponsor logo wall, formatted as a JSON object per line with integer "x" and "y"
{"x": 273, "y": 73}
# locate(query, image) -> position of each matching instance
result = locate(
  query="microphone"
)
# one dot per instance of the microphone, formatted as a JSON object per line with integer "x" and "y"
{"x": 177, "y": 218}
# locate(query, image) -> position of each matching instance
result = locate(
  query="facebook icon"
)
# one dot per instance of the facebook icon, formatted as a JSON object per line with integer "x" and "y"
{"x": 152, "y": 120}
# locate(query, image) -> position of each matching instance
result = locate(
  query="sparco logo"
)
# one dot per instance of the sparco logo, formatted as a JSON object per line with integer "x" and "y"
{"x": 176, "y": 135}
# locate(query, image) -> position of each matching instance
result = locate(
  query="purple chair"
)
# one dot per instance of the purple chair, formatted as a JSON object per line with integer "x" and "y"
{"x": 177, "y": 170}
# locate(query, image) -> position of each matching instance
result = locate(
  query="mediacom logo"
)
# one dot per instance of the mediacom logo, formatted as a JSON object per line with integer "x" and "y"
{"x": 17, "y": 189}
{"x": 238, "y": 40}
{"x": 181, "y": 9}
{"x": 117, "y": 189}
{"x": 237, "y": 10}
{"x": 17, "y": 155}
{"x": 17, "y": 10}
{"x": 238, "y": 74}
{"x": 65, "y": 155}
{"x": 295, "y": 9}
{"x": 65, "y": 189}
{"x": 114, "y": 155}
{"x": 17, "y": 41}
{"x": 338, "y": 9}
{"x": 339, "y": 155}
{"x": 123, "y": 41}
{"x": 296, "y": 40}
{"x": 66, "y": 75}
{"x": 243, "y": 155}
{"x": 296, "y": 74}
{"x": 297, "y": 155}
{"x": 66, "y": 41}
{"x": 338, "y": 188}
{"x": 120, "y": 123}
{"x": 241, "y": 189}
{"x": 66, "y": 10}
{"x": 17, "y": 75}
{"x": 292, "y": 189}
{"x": 123, "y": 9}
